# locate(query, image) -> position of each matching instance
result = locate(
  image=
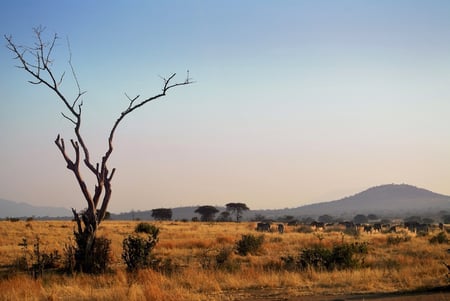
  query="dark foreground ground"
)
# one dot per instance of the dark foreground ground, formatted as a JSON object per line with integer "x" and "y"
{"x": 435, "y": 294}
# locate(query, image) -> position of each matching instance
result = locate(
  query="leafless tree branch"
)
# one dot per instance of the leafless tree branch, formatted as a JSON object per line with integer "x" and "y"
{"x": 37, "y": 62}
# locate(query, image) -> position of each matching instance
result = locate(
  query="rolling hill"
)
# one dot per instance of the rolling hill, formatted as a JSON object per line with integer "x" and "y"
{"x": 392, "y": 200}
{"x": 14, "y": 209}
{"x": 385, "y": 200}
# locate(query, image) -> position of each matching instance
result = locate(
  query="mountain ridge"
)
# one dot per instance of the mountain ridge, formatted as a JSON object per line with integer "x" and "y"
{"x": 383, "y": 200}
{"x": 22, "y": 209}
{"x": 388, "y": 199}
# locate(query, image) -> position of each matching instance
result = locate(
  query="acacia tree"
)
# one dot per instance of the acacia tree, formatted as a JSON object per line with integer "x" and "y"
{"x": 37, "y": 61}
{"x": 224, "y": 216}
{"x": 207, "y": 213}
{"x": 162, "y": 214}
{"x": 237, "y": 209}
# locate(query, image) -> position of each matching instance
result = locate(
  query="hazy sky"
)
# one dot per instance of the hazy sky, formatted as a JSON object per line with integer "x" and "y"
{"x": 295, "y": 102}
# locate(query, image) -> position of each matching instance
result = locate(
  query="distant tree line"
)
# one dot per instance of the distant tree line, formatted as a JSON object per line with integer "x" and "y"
{"x": 207, "y": 213}
{"x": 234, "y": 211}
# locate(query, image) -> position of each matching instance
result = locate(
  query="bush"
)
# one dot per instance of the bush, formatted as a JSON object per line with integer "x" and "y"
{"x": 317, "y": 257}
{"x": 147, "y": 228}
{"x": 102, "y": 255}
{"x": 98, "y": 261}
{"x": 249, "y": 244}
{"x": 137, "y": 250}
{"x": 342, "y": 256}
{"x": 440, "y": 238}
{"x": 69, "y": 258}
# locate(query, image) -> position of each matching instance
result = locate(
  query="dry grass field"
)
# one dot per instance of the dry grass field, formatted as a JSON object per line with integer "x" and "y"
{"x": 189, "y": 271}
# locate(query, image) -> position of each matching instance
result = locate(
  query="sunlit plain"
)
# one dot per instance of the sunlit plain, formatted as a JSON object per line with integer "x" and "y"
{"x": 189, "y": 247}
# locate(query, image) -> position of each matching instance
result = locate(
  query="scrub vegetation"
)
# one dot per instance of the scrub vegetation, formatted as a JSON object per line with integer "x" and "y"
{"x": 206, "y": 261}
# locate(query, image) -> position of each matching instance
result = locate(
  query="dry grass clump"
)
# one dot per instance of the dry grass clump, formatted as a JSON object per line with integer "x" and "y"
{"x": 197, "y": 261}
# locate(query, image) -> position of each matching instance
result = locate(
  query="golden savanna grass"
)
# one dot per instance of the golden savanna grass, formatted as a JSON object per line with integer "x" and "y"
{"x": 188, "y": 250}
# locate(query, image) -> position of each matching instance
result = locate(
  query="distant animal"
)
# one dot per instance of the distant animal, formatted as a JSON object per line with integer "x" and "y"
{"x": 417, "y": 227}
{"x": 280, "y": 228}
{"x": 317, "y": 225}
{"x": 348, "y": 225}
{"x": 263, "y": 227}
{"x": 377, "y": 227}
{"x": 368, "y": 228}
{"x": 422, "y": 228}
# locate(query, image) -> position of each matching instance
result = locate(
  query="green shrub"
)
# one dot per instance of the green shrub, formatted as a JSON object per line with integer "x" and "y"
{"x": 346, "y": 256}
{"x": 101, "y": 255}
{"x": 137, "y": 250}
{"x": 97, "y": 262}
{"x": 249, "y": 244}
{"x": 147, "y": 228}
{"x": 317, "y": 257}
{"x": 342, "y": 256}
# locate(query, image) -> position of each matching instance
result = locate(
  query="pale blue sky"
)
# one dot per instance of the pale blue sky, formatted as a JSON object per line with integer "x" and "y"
{"x": 294, "y": 102}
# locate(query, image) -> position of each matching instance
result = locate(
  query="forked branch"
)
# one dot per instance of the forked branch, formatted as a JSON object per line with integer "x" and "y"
{"x": 37, "y": 62}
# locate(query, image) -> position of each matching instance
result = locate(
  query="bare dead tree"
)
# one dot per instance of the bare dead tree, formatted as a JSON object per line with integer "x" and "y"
{"x": 37, "y": 61}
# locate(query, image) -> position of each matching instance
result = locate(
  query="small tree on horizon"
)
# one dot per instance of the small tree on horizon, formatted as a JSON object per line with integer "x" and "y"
{"x": 360, "y": 219}
{"x": 237, "y": 209}
{"x": 224, "y": 216}
{"x": 162, "y": 214}
{"x": 326, "y": 218}
{"x": 38, "y": 62}
{"x": 207, "y": 213}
